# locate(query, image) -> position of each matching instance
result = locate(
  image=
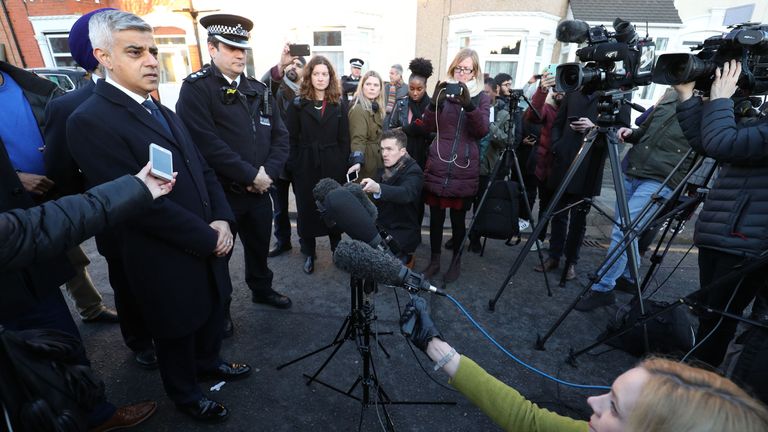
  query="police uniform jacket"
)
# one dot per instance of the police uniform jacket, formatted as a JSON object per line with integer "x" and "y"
{"x": 167, "y": 250}
{"x": 237, "y": 130}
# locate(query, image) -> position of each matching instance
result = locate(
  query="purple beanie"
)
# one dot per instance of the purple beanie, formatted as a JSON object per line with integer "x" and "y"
{"x": 80, "y": 43}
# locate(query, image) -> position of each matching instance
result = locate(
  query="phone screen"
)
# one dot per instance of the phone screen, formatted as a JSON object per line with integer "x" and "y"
{"x": 573, "y": 119}
{"x": 352, "y": 176}
{"x": 162, "y": 162}
{"x": 552, "y": 69}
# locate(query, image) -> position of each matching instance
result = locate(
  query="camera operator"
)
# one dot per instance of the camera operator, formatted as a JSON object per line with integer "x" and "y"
{"x": 732, "y": 224}
{"x": 397, "y": 193}
{"x": 656, "y": 395}
{"x": 567, "y": 137}
{"x": 658, "y": 145}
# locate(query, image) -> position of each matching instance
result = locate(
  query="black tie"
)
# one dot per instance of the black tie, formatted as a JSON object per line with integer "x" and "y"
{"x": 150, "y": 105}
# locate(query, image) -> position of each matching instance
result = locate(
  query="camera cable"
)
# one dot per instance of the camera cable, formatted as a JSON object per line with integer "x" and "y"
{"x": 516, "y": 359}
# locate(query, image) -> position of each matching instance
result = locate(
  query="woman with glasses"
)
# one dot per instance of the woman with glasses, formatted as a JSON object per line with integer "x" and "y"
{"x": 459, "y": 114}
{"x": 365, "y": 122}
{"x": 319, "y": 137}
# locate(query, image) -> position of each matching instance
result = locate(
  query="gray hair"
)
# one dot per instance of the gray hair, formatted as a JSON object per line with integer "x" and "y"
{"x": 398, "y": 68}
{"x": 103, "y": 25}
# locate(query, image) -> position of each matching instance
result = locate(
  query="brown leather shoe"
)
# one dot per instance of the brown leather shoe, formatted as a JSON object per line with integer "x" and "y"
{"x": 127, "y": 417}
{"x": 549, "y": 265}
{"x": 570, "y": 274}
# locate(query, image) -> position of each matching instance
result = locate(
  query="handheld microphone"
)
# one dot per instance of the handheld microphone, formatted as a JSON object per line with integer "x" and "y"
{"x": 364, "y": 262}
{"x": 322, "y": 188}
{"x": 357, "y": 191}
{"x": 343, "y": 208}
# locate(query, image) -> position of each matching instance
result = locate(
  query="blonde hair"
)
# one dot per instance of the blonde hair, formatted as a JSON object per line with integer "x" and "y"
{"x": 360, "y": 99}
{"x": 678, "y": 397}
{"x": 462, "y": 55}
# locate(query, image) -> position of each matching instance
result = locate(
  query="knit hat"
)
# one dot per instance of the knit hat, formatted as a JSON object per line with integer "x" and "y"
{"x": 80, "y": 43}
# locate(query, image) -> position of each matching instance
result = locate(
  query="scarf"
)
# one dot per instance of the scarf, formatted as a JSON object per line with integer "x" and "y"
{"x": 291, "y": 85}
{"x": 396, "y": 168}
{"x": 474, "y": 87}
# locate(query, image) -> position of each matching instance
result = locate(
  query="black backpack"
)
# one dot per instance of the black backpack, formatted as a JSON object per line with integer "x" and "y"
{"x": 498, "y": 219}
{"x": 43, "y": 386}
{"x": 670, "y": 332}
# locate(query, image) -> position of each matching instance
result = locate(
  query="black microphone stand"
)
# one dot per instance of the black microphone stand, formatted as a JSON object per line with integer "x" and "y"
{"x": 513, "y": 99}
{"x": 357, "y": 328}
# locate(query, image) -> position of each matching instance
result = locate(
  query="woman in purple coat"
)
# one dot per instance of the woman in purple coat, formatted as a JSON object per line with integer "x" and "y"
{"x": 460, "y": 119}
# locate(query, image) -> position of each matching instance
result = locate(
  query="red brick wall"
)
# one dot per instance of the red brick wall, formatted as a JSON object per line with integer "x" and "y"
{"x": 27, "y": 54}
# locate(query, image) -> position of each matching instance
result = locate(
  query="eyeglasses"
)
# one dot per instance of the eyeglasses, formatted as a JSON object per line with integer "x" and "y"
{"x": 463, "y": 70}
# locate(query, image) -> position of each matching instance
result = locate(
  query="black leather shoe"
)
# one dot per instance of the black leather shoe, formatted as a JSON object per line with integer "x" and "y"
{"x": 205, "y": 410}
{"x": 279, "y": 249}
{"x": 146, "y": 359}
{"x": 105, "y": 315}
{"x": 273, "y": 299}
{"x": 309, "y": 265}
{"x": 228, "y": 372}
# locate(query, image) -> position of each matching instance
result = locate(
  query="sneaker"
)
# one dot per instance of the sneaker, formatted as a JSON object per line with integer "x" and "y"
{"x": 523, "y": 224}
{"x": 625, "y": 285}
{"x": 538, "y": 245}
{"x": 595, "y": 299}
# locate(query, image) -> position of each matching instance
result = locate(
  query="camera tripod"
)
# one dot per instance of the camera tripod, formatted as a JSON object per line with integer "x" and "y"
{"x": 600, "y": 139}
{"x": 513, "y": 100}
{"x": 357, "y": 328}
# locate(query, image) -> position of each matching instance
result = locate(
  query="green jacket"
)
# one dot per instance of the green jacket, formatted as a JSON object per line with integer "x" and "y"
{"x": 659, "y": 144}
{"x": 365, "y": 136}
{"x": 505, "y": 406}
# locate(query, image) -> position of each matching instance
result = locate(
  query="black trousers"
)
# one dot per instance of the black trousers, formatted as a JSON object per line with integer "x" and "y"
{"x": 182, "y": 359}
{"x": 253, "y": 214}
{"x": 713, "y": 265}
{"x": 280, "y": 217}
{"x": 309, "y": 245}
{"x": 133, "y": 327}
{"x": 436, "y": 221}
{"x": 568, "y": 229}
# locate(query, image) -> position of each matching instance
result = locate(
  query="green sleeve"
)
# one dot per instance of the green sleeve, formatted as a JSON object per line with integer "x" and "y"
{"x": 505, "y": 406}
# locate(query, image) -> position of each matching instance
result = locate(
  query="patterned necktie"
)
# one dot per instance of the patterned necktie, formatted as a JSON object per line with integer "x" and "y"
{"x": 150, "y": 105}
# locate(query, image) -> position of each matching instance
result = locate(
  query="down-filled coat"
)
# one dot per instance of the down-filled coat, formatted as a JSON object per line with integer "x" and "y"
{"x": 734, "y": 218}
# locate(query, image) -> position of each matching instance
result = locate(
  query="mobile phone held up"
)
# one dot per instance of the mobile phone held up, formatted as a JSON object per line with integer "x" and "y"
{"x": 453, "y": 89}
{"x": 299, "y": 50}
{"x": 572, "y": 119}
{"x": 352, "y": 176}
{"x": 162, "y": 162}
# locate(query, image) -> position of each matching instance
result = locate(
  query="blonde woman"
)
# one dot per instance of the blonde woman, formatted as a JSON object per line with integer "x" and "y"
{"x": 657, "y": 395}
{"x": 366, "y": 117}
{"x": 460, "y": 119}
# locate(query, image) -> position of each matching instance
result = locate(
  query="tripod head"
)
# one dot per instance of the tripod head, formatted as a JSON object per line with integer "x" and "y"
{"x": 609, "y": 104}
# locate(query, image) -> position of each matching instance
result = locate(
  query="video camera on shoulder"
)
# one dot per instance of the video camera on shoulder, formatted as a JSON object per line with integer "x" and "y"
{"x": 614, "y": 60}
{"x": 747, "y": 43}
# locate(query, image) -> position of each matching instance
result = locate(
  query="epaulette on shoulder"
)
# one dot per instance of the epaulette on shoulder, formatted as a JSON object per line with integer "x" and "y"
{"x": 202, "y": 73}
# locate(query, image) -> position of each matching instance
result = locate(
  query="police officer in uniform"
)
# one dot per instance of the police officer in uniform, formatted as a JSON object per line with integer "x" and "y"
{"x": 349, "y": 82}
{"x": 234, "y": 121}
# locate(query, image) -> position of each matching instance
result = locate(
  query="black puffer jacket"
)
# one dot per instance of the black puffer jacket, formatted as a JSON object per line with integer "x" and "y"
{"x": 735, "y": 215}
{"x": 41, "y": 233}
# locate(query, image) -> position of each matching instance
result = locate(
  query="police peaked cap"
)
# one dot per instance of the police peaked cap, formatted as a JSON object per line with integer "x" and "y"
{"x": 357, "y": 63}
{"x": 232, "y": 30}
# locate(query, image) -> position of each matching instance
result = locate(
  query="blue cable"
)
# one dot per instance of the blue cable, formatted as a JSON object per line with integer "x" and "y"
{"x": 512, "y": 356}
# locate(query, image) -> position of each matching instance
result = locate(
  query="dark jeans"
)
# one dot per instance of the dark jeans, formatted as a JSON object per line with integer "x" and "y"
{"x": 568, "y": 229}
{"x": 713, "y": 265}
{"x": 253, "y": 214}
{"x": 436, "y": 221}
{"x": 545, "y": 197}
{"x": 280, "y": 217}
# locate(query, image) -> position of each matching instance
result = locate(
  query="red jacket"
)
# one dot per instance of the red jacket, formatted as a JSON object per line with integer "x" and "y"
{"x": 543, "y": 151}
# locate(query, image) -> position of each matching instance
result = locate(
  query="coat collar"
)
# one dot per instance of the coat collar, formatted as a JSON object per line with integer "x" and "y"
{"x": 245, "y": 85}
{"x": 115, "y": 95}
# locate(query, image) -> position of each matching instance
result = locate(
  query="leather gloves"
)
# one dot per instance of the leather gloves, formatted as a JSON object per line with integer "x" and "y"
{"x": 417, "y": 325}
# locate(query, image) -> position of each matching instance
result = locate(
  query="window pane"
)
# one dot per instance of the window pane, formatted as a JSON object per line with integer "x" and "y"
{"x": 492, "y": 68}
{"x": 59, "y": 44}
{"x": 170, "y": 40}
{"x": 507, "y": 46}
{"x": 327, "y": 38}
{"x": 65, "y": 61}
{"x": 661, "y": 44}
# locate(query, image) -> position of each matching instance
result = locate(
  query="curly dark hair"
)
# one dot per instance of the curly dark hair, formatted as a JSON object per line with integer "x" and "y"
{"x": 421, "y": 68}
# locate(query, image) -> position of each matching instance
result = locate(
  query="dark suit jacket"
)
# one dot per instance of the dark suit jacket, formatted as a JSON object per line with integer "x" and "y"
{"x": 59, "y": 165}
{"x": 168, "y": 250}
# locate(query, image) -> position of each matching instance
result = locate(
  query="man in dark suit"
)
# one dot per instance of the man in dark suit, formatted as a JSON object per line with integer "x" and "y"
{"x": 68, "y": 179}
{"x": 237, "y": 127}
{"x": 173, "y": 253}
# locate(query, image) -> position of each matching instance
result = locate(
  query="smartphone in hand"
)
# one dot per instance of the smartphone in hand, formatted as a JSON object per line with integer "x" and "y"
{"x": 162, "y": 162}
{"x": 352, "y": 176}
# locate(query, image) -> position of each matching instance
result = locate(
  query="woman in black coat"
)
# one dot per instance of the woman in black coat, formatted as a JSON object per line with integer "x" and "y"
{"x": 319, "y": 136}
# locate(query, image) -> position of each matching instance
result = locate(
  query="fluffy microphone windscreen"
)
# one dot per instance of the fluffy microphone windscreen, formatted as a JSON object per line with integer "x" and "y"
{"x": 350, "y": 216}
{"x": 365, "y": 262}
{"x": 575, "y": 31}
{"x": 322, "y": 188}
{"x": 357, "y": 191}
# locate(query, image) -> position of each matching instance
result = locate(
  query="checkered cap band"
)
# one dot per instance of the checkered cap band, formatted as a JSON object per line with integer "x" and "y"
{"x": 224, "y": 30}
